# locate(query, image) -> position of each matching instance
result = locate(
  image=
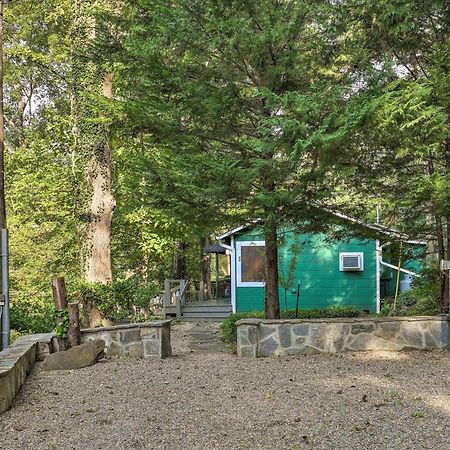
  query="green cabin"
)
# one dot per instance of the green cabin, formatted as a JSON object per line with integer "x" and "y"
{"x": 313, "y": 270}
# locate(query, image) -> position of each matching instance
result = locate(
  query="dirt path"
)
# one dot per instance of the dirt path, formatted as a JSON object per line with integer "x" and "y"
{"x": 204, "y": 400}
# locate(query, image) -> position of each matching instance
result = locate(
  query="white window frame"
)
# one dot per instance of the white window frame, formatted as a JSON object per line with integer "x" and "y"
{"x": 239, "y": 246}
{"x": 341, "y": 261}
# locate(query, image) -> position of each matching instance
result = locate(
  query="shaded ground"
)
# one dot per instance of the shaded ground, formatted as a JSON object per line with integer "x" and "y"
{"x": 201, "y": 400}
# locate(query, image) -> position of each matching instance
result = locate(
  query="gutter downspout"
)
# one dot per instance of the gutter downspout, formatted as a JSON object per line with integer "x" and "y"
{"x": 409, "y": 272}
{"x": 233, "y": 270}
{"x": 391, "y": 266}
{"x": 378, "y": 254}
{"x": 380, "y": 262}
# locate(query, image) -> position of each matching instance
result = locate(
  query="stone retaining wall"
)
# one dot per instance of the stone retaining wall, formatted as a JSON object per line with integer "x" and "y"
{"x": 16, "y": 363}
{"x": 138, "y": 340}
{"x": 257, "y": 337}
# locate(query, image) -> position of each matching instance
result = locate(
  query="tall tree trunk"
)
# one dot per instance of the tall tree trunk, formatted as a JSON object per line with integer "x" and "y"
{"x": 179, "y": 260}
{"x": 443, "y": 284}
{"x": 205, "y": 265}
{"x": 272, "y": 299}
{"x": 439, "y": 231}
{"x": 92, "y": 154}
{"x": 97, "y": 257}
{"x": 96, "y": 244}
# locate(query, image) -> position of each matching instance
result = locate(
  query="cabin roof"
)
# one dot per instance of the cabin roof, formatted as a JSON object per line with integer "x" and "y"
{"x": 377, "y": 228}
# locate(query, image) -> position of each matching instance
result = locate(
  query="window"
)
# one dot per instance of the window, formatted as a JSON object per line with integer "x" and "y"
{"x": 351, "y": 262}
{"x": 250, "y": 264}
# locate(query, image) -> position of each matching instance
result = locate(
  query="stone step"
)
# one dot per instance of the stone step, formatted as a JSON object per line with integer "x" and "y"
{"x": 205, "y": 339}
{"x": 205, "y": 315}
{"x": 207, "y": 309}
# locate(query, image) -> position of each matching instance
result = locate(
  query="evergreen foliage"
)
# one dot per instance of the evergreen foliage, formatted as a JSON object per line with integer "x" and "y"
{"x": 221, "y": 112}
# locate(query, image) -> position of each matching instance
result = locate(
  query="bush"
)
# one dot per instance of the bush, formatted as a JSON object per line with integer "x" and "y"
{"x": 14, "y": 335}
{"x": 228, "y": 326}
{"x": 32, "y": 315}
{"x": 229, "y": 329}
{"x": 421, "y": 300}
{"x": 323, "y": 313}
{"x": 116, "y": 300}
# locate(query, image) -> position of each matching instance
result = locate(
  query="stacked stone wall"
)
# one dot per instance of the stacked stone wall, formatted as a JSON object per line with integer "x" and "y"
{"x": 16, "y": 363}
{"x": 290, "y": 337}
{"x": 137, "y": 340}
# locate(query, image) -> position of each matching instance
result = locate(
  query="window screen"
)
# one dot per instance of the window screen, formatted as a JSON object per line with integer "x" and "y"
{"x": 252, "y": 263}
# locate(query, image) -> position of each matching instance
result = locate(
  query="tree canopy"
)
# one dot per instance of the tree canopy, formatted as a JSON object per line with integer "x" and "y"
{"x": 171, "y": 121}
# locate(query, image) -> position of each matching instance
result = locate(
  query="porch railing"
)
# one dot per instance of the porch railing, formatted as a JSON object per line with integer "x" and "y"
{"x": 175, "y": 296}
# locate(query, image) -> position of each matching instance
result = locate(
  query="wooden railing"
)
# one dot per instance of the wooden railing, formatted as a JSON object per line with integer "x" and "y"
{"x": 175, "y": 296}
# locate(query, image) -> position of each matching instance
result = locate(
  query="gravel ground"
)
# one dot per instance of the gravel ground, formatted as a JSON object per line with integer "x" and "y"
{"x": 200, "y": 400}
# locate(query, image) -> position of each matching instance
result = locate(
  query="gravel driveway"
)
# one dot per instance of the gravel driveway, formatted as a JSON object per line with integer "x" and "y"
{"x": 200, "y": 400}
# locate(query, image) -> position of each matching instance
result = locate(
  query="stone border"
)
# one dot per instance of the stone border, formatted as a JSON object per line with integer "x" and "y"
{"x": 261, "y": 337}
{"x": 138, "y": 340}
{"x": 17, "y": 361}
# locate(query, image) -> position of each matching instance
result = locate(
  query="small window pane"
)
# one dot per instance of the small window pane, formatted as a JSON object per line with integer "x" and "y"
{"x": 252, "y": 263}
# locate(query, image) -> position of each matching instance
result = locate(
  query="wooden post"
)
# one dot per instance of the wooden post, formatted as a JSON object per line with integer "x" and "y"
{"x": 60, "y": 300}
{"x": 59, "y": 293}
{"x": 166, "y": 298}
{"x": 74, "y": 325}
{"x": 217, "y": 276}
{"x": 179, "y": 299}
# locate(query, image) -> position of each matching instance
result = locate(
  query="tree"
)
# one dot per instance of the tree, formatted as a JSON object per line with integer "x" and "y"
{"x": 401, "y": 58}
{"x": 244, "y": 91}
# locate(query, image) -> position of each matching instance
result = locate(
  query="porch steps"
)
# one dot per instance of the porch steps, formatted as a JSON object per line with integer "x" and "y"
{"x": 195, "y": 312}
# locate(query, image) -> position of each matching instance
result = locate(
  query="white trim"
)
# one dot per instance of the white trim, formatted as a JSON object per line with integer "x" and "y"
{"x": 239, "y": 246}
{"x": 342, "y": 255}
{"x": 232, "y": 251}
{"x": 409, "y": 272}
{"x": 378, "y": 251}
{"x": 240, "y": 228}
{"x": 233, "y": 276}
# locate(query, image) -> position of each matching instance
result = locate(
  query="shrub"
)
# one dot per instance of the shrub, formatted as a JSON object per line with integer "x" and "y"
{"x": 228, "y": 326}
{"x": 32, "y": 315}
{"x": 14, "y": 335}
{"x": 323, "y": 313}
{"x": 229, "y": 329}
{"x": 116, "y": 300}
{"x": 421, "y": 300}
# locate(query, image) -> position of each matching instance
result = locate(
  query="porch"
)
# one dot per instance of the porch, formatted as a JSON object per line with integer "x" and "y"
{"x": 182, "y": 303}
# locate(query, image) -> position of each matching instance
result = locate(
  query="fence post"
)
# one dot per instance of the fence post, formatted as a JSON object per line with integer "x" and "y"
{"x": 60, "y": 300}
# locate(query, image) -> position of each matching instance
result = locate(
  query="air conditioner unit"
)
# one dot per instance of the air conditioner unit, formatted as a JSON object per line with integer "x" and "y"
{"x": 351, "y": 262}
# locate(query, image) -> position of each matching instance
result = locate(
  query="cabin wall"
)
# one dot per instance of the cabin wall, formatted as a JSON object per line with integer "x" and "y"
{"x": 322, "y": 284}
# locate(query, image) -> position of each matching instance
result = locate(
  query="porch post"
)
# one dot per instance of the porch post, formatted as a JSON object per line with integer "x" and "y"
{"x": 217, "y": 276}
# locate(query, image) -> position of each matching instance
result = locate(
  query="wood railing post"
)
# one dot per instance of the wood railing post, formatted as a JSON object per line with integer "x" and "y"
{"x": 166, "y": 297}
{"x": 179, "y": 299}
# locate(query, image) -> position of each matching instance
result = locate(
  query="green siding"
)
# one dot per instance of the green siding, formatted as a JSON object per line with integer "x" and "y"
{"x": 322, "y": 284}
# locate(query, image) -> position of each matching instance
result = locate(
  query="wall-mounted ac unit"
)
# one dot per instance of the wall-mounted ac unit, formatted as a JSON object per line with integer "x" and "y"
{"x": 351, "y": 262}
